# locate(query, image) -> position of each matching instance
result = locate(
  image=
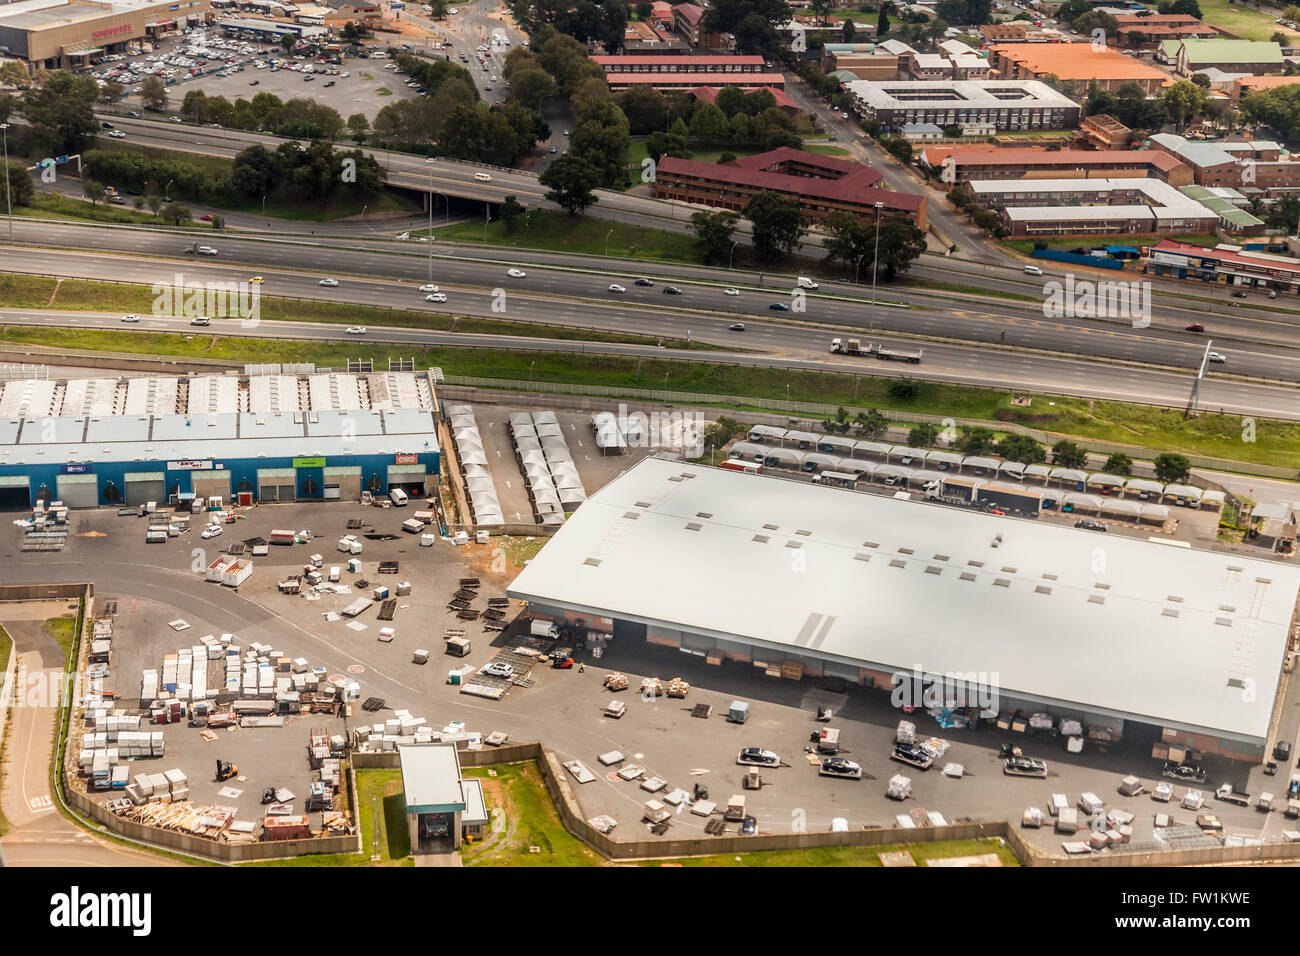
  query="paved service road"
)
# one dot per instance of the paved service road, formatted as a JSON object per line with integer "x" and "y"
{"x": 41, "y": 836}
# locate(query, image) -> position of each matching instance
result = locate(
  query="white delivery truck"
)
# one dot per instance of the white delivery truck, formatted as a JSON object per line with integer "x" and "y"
{"x": 398, "y": 497}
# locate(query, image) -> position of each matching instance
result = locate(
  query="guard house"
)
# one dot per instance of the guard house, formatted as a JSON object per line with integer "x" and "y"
{"x": 438, "y": 802}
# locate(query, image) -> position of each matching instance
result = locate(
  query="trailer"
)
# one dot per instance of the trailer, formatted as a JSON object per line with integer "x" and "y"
{"x": 912, "y": 755}
{"x": 828, "y": 740}
{"x": 282, "y": 537}
{"x": 236, "y": 573}
{"x": 883, "y": 352}
{"x": 992, "y": 495}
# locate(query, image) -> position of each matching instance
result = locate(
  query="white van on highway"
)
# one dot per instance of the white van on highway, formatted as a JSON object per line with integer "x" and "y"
{"x": 1033, "y": 271}
{"x": 483, "y": 177}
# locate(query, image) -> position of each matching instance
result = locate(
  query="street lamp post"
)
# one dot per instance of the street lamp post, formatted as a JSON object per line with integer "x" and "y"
{"x": 607, "y": 235}
{"x": 731, "y": 257}
{"x": 9, "y": 207}
{"x": 430, "y": 237}
{"x": 875, "y": 261}
{"x": 530, "y": 375}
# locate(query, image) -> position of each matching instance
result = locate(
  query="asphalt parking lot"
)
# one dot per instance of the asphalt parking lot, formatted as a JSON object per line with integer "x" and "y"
{"x": 358, "y": 93}
{"x": 564, "y": 708}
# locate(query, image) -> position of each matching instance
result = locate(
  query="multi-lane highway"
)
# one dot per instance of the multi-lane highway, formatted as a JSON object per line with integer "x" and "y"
{"x": 570, "y": 296}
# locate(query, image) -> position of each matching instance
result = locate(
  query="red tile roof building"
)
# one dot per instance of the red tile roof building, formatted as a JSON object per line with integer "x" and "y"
{"x": 823, "y": 185}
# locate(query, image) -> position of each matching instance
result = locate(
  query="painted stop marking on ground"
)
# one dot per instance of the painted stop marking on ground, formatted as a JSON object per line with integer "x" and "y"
{"x": 356, "y": 668}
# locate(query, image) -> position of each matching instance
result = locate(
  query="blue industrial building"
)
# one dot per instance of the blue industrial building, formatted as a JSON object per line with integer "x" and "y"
{"x": 90, "y": 442}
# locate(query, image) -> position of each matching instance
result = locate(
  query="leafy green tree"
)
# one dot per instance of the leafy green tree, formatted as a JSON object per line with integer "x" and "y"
{"x": 1188, "y": 8}
{"x": 975, "y": 440}
{"x": 61, "y": 111}
{"x": 709, "y": 124}
{"x": 1118, "y": 464}
{"x": 570, "y": 182}
{"x": 713, "y": 234}
{"x": 731, "y": 100}
{"x": 778, "y": 224}
{"x": 1068, "y": 454}
{"x": 1170, "y": 467}
{"x": 646, "y": 109}
{"x": 175, "y": 213}
{"x": 901, "y": 244}
{"x": 531, "y": 87}
{"x": 94, "y": 190}
{"x": 717, "y": 434}
{"x": 14, "y": 73}
{"x": 153, "y": 94}
{"x": 154, "y": 200}
{"x": 904, "y": 388}
{"x": 923, "y": 435}
{"x": 112, "y": 91}
{"x": 511, "y": 212}
{"x": 20, "y": 188}
{"x": 1182, "y": 102}
{"x": 358, "y": 127}
{"x": 1021, "y": 448}
{"x": 751, "y": 22}
{"x": 287, "y": 42}
{"x": 870, "y": 425}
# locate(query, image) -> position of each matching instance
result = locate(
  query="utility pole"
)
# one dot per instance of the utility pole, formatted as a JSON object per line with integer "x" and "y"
{"x": 875, "y": 262}
{"x": 9, "y": 207}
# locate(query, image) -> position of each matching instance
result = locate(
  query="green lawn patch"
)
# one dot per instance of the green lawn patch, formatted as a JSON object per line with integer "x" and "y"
{"x": 1026, "y": 246}
{"x": 544, "y": 229}
{"x": 64, "y": 631}
{"x": 525, "y": 830}
{"x": 931, "y": 284}
{"x": 58, "y": 206}
{"x": 384, "y": 91}
{"x": 215, "y": 166}
{"x": 1245, "y": 22}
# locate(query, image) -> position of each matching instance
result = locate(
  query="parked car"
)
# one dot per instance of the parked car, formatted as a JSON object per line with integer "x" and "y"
{"x": 1282, "y": 751}
{"x": 1088, "y": 524}
{"x": 1238, "y": 294}
{"x": 749, "y": 826}
{"x": 116, "y": 134}
{"x": 206, "y": 217}
{"x": 757, "y": 756}
{"x": 211, "y": 531}
{"x": 498, "y": 669}
{"x": 1184, "y": 771}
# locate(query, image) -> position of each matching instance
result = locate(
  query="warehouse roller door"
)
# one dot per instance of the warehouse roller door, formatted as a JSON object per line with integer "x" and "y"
{"x": 15, "y": 493}
{"x": 343, "y": 483}
{"x": 78, "y": 491}
{"x": 410, "y": 478}
{"x": 211, "y": 484}
{"x": 145, "y": 486}
{"x": 276, "y": 484}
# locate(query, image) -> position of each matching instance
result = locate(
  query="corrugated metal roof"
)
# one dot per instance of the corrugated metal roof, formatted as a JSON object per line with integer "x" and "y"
{"x": 1175, "y": 672}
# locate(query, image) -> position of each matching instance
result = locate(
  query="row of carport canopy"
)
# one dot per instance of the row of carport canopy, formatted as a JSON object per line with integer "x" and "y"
{"x": 820, "y": 461}
{"x": 547, "y": 465}
{"x": 479, "y": 486}
{"x": 616, "y": 432}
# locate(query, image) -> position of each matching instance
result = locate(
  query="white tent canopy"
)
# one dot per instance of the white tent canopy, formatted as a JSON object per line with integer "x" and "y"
{"x": 742, "y": 449}
{"x": 1105, "y": 480}
{"x": 1037, "y": 471}
{"x": 907, "y": 453}
{"x": 545, "y": 418}
{"x": 1080, "y": 500}
{"x": 897, "y": 471}
{"x": 1183, "y": 491}
{"x": 786, "y": 456}
{"x": 766, "y": 431}
{"x": 1069, "y": 474}
{"x": 871, "y": 448}
{"x": 947, "y": 457}
{"x": 1144, "y": 484}
{"x": 821, "y": 460}
{"x": 991, "y": 464}
{"x": 796, "y": 436}
{"x": 1160, "y": 512}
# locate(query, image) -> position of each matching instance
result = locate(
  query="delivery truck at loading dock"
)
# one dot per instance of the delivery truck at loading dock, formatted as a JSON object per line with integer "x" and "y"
{"x": 882, "y": 352}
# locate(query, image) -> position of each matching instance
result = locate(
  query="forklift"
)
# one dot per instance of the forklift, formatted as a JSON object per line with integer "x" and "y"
{"x": 226, "y": 770}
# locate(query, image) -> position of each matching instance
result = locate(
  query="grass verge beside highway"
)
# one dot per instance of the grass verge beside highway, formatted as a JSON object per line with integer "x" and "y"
{"x": 6, "y": 648}
{"x": 556, "y": 232}
{"x": 1217, "y": 435}
{"x": 41, "y": 292}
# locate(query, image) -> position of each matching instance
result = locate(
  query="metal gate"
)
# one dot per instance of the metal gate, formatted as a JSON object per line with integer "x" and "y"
{"x": 144, "y": 486}
{"x": 276, "y": 484}
{"x": 15, "y": 492}
{"x": 343, "y": 483}
{"x": 78, "y": 491}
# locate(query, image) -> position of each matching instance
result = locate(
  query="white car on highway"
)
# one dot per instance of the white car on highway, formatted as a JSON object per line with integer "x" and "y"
{"x": 356, "y": 330}
{"x": 436, "y": 297}
{"x": 331, "y": 283}
{"x": 428, "y": 287}
{"x": 116, "y": 134}
{"x": 211, "y": 531}
{"x": 731, "y": 291}
{"x": 132, "y": 317}
{"x": 615, "y": 287}
{"x": 516, "y": 273}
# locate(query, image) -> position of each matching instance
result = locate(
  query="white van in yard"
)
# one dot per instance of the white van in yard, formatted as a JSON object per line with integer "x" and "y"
{"x": 398, "y": 497}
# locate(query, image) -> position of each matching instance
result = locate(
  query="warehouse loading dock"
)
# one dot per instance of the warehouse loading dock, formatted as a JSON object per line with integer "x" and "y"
{"x": 15, "y": 493}
{"x": 145, "y": 486}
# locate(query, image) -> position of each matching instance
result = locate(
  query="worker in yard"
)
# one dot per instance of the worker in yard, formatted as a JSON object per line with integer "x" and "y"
{"x": 581, "y": 667}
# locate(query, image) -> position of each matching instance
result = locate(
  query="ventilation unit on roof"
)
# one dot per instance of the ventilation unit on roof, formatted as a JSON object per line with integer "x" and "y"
{"x": 806, "y": 534}
{"x": 1050, "y": 577}
{"x": 895, "y": 563}
{"x": 1096, "y": 599}
{"x": 933, "y": 569}
{"x": 693, "y": 526}
{"x": 703, "y": 514}
{"x": 1102, "y": 586}
{"x": 771, "y": 527}
{"x": 905, "y": 551}
{"x": 1008, "y": 570}
{"x": 861, "y": 557}
{"x": 631, "y": 514}
{"x": 761, "y": 538}
{"x": 1042, "y": 589}
{"x": 1170, "y": 612}
{"x": 1263, "y": 580}
{"x": 1174, "y": 599}
{"x": 674, "y": 477}
{"x": 870, "y": 544}
{"x": 941, "y": 557}
{"x": 1002, "y": 582}
{"x": 594, "y": 562}
{"x": 794, "y": 544}
{"x": 1227, "y": 607}
{"x": 975, "y": 564}
{"x": 966, "y": 576}
{"x": 1223, "y": 621}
